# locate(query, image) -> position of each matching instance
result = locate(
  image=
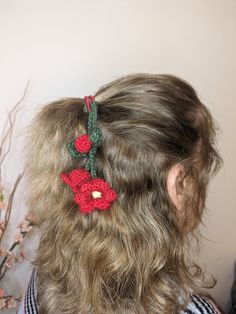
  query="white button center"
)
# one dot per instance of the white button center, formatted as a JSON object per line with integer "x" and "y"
{"x": 96, "y": 194}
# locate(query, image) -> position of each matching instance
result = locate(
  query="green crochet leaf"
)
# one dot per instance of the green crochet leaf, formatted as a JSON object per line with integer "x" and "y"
{"x": 96, "y": 137}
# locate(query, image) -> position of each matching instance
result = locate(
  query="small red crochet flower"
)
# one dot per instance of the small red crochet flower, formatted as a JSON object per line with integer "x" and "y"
{"x": 75, "y": 178}
{"x": 83, "y": 144}
{"x": 94, "y": 194}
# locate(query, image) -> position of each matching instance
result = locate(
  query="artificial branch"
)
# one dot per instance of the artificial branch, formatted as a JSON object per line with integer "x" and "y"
{"x": 8, "y": 129}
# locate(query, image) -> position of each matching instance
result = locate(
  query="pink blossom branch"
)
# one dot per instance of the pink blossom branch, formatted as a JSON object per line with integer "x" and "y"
{"x": 8, "y": 301}
{"x": 9, "y": 296}
{"x": 2, "y": 273}
{"x": 26, "y": 226}
{"x": 9, "y": 258}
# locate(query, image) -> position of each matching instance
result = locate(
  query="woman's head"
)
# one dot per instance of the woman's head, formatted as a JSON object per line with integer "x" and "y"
{"x": 157, "y": 153}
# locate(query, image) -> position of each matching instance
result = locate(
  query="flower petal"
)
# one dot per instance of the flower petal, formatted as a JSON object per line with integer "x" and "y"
{"x": 75, "y": 178}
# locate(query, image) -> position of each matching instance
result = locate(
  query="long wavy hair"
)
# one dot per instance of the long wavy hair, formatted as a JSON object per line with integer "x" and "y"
{"x": 133, "y": 258}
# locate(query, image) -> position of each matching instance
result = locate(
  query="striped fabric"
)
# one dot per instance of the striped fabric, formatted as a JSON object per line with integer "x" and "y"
{"x": 198, "y": 305}
{"x": 29, "y": 304}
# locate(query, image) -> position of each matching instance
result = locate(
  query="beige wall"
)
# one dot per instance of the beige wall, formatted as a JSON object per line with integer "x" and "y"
{"x": 70, "y": 48}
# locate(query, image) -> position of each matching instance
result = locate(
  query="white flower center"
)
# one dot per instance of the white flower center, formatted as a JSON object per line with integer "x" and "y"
{"x": 96, "y": 194}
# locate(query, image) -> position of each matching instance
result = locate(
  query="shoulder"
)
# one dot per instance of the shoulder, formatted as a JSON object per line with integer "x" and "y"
{"x": 201, "y": 305}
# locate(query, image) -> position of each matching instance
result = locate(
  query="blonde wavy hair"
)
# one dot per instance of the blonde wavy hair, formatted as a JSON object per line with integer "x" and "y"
{"x": 133, "y": 258}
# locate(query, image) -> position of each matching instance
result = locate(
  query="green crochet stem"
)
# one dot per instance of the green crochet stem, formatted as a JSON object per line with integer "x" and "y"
{"x": 95, "y": 135}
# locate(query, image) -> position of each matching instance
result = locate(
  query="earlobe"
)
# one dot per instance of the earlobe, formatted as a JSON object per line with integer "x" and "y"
{"x": 175, "y": 193}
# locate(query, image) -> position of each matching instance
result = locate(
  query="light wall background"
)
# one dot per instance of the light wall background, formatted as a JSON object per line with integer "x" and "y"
{"x": 71, "y": 47}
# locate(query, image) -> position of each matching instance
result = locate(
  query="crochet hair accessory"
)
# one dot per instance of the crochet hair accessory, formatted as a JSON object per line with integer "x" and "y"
{"x": 91, "y": 193}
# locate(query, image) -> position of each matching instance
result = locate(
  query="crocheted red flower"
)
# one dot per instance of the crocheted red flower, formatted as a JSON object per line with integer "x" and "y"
{"x": 95, "y": 194}
{"x": 83, "y": 144}
{"x": 75, "y": 178}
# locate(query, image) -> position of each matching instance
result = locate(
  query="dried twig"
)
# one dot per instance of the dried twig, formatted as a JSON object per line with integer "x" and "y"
{"x": 8, "y": 128}
{"x": 10, "y": 200}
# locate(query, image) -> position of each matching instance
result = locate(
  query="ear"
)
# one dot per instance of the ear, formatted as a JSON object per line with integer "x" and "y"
{"x": 173, "y": 185}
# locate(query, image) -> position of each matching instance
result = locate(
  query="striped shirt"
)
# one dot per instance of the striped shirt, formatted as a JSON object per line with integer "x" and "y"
{"x": 198, "y": 305}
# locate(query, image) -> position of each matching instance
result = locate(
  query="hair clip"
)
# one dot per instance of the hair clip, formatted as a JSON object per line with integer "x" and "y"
{"x": 91, "y": 193}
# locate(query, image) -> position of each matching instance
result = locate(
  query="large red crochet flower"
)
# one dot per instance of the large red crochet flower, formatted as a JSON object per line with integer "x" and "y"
{"x": 94, "y": 194}
{"x": 90, "y": 194}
